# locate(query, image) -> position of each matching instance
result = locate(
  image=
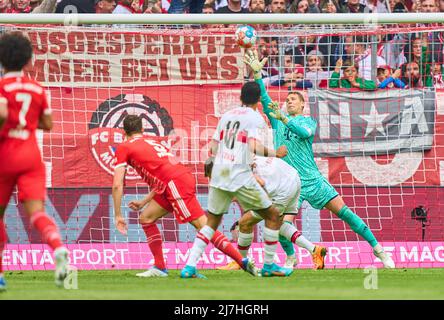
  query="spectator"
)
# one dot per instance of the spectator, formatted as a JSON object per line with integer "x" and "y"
{"x": 4, "y": 6}
{"x": 293, "y": 78}
{"x": 304, "y": 6}
{"x": 182, "y": 6}
{"x": 350, "y": 78}
{"x": 315, "y": 69}
{"x": 377, "y": 6}
{"x": 257, "y": 6}
{"x": 45, "y": 6}
{"x": 426, "y": 6}
{"x": 437, "y": 69}
{"x": 387, "y": 79}
{"x": 441, "y": 5}
{"x": 411, "y": 75}
{"x": 277, "y": 6}
{"x": 20, "y": 6}
{"x": 234, "y": 6}
{"x": 353, "y": 6}
{"x": 152, "y": 6}
{"x": 329, "y": 6}
{"x": 208, "y": 8}
{"x": 356, "y": 49}
{"x": 223, "y": 3}
{"x": 126, "y": 7}
{"x": 105, "y": 6}
{"x": 76, "y": 6}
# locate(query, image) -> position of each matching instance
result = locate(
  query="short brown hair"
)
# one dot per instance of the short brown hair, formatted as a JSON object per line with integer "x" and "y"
{"x": 132, "y": 124}
{"x": 300, "y": 95}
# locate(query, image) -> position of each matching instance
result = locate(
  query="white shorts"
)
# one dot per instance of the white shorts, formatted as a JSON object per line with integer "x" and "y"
{"x": 286, "y": 203}
{"x": 250, "y": 197}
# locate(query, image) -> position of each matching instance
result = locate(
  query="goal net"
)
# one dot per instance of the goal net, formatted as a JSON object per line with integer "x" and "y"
{"x": 381, "y": 149}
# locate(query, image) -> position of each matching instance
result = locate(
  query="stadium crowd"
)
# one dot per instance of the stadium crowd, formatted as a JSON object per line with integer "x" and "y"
{"x": 403, "y": 59}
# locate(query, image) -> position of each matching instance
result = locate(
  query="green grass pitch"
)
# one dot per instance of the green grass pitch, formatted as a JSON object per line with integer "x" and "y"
{"x": 238, "y": 285}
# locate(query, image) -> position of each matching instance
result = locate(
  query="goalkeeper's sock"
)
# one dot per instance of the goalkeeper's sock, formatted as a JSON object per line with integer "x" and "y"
{"x": 357, "y": 225}
{"x": 271, "y": 238}
{"x": 3, "y": 240}
{"x": 244, "y": 241}
{"x": 286, "y": 244}
{"x": 154, "y": 240}
{"x": 289, "y": 231}
{"x": 47, "y": 228}
{"x": 224, "y": 245}
{"x": 200, "y": 243}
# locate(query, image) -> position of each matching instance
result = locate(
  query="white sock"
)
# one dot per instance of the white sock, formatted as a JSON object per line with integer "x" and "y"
{"x": 303, "y": 242}
{"x": 378, "y": 248}
{"x": 288, "y": 230}
{"x": 201, "y": 241}
{"x": 271, "y": 238}
{"x": 244, "y": 241}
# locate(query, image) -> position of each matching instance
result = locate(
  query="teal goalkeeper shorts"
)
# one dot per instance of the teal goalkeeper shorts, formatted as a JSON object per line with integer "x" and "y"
{"x": 318, "y": 193}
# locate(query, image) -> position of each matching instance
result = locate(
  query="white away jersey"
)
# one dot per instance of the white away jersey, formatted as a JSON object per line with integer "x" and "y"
{"x": 280, "y": 178}
{"x": 232, "y": 168}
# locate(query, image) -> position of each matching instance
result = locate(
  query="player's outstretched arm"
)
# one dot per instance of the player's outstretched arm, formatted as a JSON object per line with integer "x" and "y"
{"x": 301, "y": 126}
{"x": 117, "y": 192}
{"x": 251, "y": 59}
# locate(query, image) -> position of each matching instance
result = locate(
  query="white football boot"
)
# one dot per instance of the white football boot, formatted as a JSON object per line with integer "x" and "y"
{"x": 152, "y": 272}
{"x": 61, "y": 265}
{"x": 387, "y": 261}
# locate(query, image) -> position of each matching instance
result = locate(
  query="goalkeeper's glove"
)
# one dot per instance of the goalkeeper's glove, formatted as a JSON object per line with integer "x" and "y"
{"x": 251, "y": 59}
{"x": 277, "y": 113}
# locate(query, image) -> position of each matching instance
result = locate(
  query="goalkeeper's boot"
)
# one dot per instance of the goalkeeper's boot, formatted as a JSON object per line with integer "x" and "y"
{"x": 153, "y": 272}
{"x": 248, "y": 266}
{"x": 191, "y": 272}
{"x": 291, "y": 262}
{"x": 2, "y": 283}
{"x": 61, "y": 267}
{"x": 230, "y": 266}
{"x": 387, "y": 261}
{"x": 318, "y": 257}
{"x": 273, "y": 270}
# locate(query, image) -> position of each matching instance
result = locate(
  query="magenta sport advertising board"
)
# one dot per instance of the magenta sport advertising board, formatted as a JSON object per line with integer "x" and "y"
{"x": 137, "y": 256}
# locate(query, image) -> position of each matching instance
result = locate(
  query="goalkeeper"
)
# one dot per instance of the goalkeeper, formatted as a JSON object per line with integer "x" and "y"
{"x": 297, "y": 133}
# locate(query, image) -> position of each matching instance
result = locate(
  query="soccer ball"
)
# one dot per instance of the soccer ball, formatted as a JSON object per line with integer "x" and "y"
{"x": 245, "y": 36}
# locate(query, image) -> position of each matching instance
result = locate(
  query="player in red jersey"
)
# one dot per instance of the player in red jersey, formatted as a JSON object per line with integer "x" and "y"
{"x": 173, "y": 189}
{"x": 23, "y": 109}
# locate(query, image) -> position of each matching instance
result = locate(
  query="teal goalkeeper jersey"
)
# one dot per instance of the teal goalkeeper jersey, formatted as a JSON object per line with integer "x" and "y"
{"x": 297, "y": 135}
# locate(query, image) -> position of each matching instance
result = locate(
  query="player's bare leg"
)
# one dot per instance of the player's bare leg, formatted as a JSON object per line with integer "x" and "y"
{"x": 339, "y": 208}
{"x": 50, "y": 234}
{"x": 201, "y": 241}
{"x": 290, "y": 232}
{"x": 3, "y": 240}
{"x": 148, "y": 219}
{"x": 220, "y": 241}
{"x": 273, "y": 223}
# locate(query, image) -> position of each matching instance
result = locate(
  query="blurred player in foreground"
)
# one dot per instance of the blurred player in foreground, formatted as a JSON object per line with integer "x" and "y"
{"x": 297, "y": 133}
{"x": 23, "y": 109}
{"x": 282, "y": 184}
{"x": 173, "y": 189}
{"x": 233, "y": 144}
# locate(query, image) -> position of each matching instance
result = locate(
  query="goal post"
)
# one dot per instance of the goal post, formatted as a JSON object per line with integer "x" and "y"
{"x": 381, "y": 149}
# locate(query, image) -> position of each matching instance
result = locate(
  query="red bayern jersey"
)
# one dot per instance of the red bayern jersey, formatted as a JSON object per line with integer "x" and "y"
{"x": 26, "y": 102}
{"x": 151, "y": 159}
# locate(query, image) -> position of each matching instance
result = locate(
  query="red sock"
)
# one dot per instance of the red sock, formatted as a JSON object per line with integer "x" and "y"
{"x": 48, "y": 229}
{"x": 223, "y": 244}
{"x": 3, "y": 240}
{"x": 154, "y": 240}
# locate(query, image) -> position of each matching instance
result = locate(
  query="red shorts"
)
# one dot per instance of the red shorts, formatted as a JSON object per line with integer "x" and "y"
{"x": 179, "y": 197}
{"x": 25, "y": 170}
